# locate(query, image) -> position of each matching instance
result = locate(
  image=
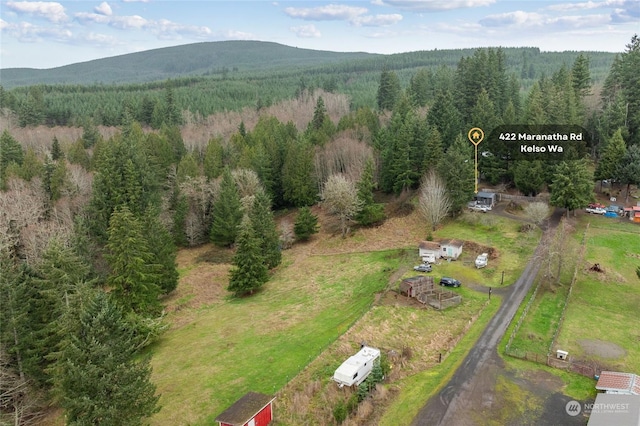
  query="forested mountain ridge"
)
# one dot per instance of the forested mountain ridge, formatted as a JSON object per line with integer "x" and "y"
{"x": 232, "y": 57}
{"x": 201, "y": 79}
{"x": 178, "y": 61}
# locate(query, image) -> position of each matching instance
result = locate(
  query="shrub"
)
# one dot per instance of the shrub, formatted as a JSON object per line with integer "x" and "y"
{"x": 340, "y": 412}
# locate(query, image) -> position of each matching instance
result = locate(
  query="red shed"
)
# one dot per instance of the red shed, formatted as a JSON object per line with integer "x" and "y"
{"x": 253, "y": 409}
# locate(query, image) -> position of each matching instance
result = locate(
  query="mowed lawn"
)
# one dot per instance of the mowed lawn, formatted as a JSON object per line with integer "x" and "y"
{"x": 606, "y": 306}
{"x": 259, "y": 343}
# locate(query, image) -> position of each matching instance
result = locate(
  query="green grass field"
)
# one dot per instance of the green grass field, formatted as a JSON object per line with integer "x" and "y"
{"x": 606, "y": 306}
{"x": 261, "y": 342}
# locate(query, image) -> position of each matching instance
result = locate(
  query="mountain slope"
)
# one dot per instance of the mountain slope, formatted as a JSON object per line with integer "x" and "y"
{"x": 177, "y": 61}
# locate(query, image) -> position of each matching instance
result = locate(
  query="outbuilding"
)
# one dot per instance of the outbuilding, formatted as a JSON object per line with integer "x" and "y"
{"x": 429, "y": 251}
{"x": 485, "y": 198}
{"x": 253, "y": 409}
{"x": 451, "y": 249}
{"x": 618, "y": 383}
{"x": 413, "y": 286}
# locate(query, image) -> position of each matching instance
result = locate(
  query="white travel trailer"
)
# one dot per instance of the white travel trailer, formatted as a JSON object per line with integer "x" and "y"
{"x": 356, "y": 369}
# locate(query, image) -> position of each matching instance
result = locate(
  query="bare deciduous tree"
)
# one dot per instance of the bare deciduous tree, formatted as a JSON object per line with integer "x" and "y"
{"x": 434, "y": 201}
{"x": 340, "y": 197}
{"x": 287, "y": 236}
{"x": 537, "y": 211}
{"x": 201, "y": 195}
{"x": 343, "y": 155}
{"x": 247, "y": 181}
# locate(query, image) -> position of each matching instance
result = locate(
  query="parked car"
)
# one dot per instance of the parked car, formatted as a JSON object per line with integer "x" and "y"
{"x": 423, "y": 267}
{"x": 450, "y": 282}
{"x": 480, "y": 208}
{"x": 482, "y": 260}
{"x": 595, "y": 210}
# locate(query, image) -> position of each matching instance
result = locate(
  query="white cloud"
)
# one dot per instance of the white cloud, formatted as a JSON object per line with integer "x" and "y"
{"x": 434, "y": 5}
{"x": 120, "y": 22}
{"x": 51, "y": 11}
{"x": 135, "y": 1}
{"x": 528, "y": 20}
{"x": 306, "y": 31}
{"x": 587, "y": 5}
{"x": 518, "y": 17}
{"x": 376, "y": 20}
{"x": 29, "y": 33}
{"x": 103, "y": 9}
{"x": 101, "y": 39}
{"x": 237, "y": 35}
{"x": 164, "y": 28}
{"x": 330, "y": 12}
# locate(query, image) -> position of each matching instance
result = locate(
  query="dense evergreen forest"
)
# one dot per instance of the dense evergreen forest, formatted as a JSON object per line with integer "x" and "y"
{"x": 211, "y": 77}
{"x": 89, "y": 228}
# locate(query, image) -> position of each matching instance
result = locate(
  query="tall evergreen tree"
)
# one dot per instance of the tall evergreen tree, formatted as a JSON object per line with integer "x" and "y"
{"x": 572, "y": 185}
{"x": 298, "y": 182}
{"x": 187, "y": 168}
{"x": 134, "y": 278}
{"x": 123, "y": 178}
{"x": 580, "y": 76}
{"x": 227, "y": 212}
{"x": 445, "y": 117}
{"x": 265, "y": 229}
{"x": 433, "y": 150}
{"x": 388, "y": 90}
{"x": 163, "y": 251}
{"x": 10, "y": 150}
{"x": 56, "y": 151}
{"x": 420, "y": 87}
{"x": 98, "y": 379}
{"x": 371, "y": 212}
{"x": 249, "y": 271}
{"x": 611, "y": 157}
{"x": 306, "y": 224}
{"x": 528, "y": 177}
{"x": 457, "y": 170}
{"x": 628, "y": 170}
{"x": 90, "y": 134}
{"x": 213, "y": 158}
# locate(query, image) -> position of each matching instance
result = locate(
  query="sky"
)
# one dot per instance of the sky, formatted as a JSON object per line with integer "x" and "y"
{"x": 44, "y": 34}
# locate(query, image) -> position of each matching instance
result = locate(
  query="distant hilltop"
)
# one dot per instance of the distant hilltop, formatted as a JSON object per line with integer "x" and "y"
{"x": 258, "y": 57}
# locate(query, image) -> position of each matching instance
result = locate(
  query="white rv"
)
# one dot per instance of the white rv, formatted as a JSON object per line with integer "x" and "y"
{"x": 354, "y": 370}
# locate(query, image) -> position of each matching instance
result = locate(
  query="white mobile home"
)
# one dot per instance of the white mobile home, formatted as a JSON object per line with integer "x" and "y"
{"x": 356, "y": 369}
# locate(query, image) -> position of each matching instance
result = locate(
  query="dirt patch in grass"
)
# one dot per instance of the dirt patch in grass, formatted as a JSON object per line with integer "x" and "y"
{"x": 602, "y": 349}
{"x": 204, "y": 276}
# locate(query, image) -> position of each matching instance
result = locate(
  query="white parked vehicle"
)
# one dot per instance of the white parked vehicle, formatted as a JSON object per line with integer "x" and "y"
{"x": 480, "y": 208}
{"x": 357, "y": 368}
{"x": 482, "y": 260}
{"x": 596, "y": 210}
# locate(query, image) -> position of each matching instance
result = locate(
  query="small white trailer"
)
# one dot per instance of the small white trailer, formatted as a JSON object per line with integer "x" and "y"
{"x": 356, "y": 369}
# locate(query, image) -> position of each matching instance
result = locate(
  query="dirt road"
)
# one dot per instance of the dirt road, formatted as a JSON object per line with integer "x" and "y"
{"x": 470, "y": 397}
